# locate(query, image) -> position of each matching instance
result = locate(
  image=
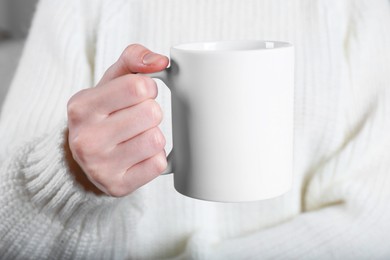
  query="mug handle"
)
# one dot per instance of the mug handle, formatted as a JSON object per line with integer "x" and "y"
{"x": 162, "y": 75}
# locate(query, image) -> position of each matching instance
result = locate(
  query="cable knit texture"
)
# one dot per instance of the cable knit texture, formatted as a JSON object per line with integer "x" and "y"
{"x": 338, "y": 206}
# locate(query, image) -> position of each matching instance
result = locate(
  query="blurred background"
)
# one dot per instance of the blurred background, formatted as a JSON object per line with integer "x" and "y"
{"x": 15, "y": 20}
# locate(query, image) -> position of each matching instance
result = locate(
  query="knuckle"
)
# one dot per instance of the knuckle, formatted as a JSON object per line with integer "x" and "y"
{"x": 136, "y": 86}
{"x": 74, "y": 108}
{"x": 99, "y": 174}
{"x": 154, "y": 112}
{"x": 159, "y": 163}
{"x": 94, "y": 171}
{"x": 77, "y": 145}
{"x": 132, "y": 53}
{"x": 84, "y": 146}
{"x": 151, "y": 87}
{"x": 117, "y": 191}
{"x": 131, "y": 49}
{"x": 156, "y": 139}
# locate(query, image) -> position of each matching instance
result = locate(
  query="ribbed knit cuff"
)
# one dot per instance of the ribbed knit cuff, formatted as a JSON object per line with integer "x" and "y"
{"x": 51, "y": 181}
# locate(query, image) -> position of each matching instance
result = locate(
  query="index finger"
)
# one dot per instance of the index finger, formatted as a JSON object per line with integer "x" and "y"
{"x": 135, "y": 58}
{"x": 120, "y": 93}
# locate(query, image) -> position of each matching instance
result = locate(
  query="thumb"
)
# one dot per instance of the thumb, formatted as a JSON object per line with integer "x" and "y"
{"x": 135, "y": 58}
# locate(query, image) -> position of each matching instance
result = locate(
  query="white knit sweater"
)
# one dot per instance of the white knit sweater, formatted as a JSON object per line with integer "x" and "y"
{"x": 338, "y": 207}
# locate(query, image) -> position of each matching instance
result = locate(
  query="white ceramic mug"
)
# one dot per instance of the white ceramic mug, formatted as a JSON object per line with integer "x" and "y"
{"x": 232, "y": 116}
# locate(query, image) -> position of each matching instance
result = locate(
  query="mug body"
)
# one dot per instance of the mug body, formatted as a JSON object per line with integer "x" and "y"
{"x": 232, "y": 112}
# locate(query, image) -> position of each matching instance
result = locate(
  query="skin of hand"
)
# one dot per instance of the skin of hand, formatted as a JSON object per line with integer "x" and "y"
{"x": 113, "y": 127}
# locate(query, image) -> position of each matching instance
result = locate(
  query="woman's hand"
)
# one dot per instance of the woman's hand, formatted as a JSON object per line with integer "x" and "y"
{"x": 113, "y": 128}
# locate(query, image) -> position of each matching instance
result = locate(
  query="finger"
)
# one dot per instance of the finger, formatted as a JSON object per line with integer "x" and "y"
{"x": 130, "y": 122}
{"x": 145, "y": 171}
{"x": 122, "y": 92}
{"x": 139, "y": 148}
{"x": 120, "y": 185}
{"x": 135, "y": 58}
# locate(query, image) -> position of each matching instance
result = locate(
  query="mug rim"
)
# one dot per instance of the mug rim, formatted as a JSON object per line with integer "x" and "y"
{"x": 231, "y": 46}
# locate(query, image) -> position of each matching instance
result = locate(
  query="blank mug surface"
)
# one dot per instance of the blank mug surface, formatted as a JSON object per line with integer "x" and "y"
{"x": 232, "y": 116}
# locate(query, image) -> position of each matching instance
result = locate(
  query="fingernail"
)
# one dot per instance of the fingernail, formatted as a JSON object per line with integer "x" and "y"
{"x": 150, "y": 58}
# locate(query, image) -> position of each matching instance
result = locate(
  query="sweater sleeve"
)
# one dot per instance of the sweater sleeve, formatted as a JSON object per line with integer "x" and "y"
{"x": 44, "y": 209}
{"x": 346, "y": 213}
